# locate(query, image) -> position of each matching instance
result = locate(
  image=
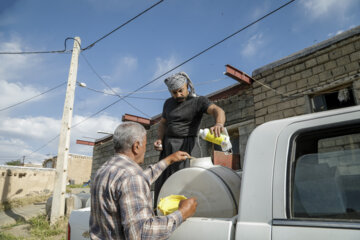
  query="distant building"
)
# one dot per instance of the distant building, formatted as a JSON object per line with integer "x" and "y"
{"x": 79, "y": 168}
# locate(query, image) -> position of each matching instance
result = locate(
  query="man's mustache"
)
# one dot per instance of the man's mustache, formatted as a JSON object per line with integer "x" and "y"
{"x": 179, "y": 98}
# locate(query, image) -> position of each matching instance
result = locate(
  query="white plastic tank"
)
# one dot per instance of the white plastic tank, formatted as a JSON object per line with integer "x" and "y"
{"x": 216, "y": 188}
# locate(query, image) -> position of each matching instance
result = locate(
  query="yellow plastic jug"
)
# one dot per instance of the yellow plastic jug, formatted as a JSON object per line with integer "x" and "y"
{"x": 170, "y": 203}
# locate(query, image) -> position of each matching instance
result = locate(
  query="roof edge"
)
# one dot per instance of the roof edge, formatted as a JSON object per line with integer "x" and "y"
{"x": 309, "y": 50}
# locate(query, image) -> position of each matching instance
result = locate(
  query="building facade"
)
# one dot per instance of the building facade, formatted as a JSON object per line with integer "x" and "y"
{"x": 322, "y": 77}
{"x": 79, "y": 168}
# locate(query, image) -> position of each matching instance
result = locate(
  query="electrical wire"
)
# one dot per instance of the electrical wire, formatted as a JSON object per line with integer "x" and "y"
{"x": 111, "y": 94}
{"x": 186, "y": 61}
{"x": 150, "y": 91}
{"x": 26, "y": 100}
{"x": 40, "y": 52}
{"x": 47, "y": 143}
{"x": 90, "y": 45}
{"x": 108, "y": 86}
{"x": 122, "y": 25}
{"x": 309, "y": 91}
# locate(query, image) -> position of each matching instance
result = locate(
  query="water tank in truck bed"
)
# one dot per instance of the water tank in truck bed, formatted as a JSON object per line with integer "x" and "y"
{"x": 216, "y": 188}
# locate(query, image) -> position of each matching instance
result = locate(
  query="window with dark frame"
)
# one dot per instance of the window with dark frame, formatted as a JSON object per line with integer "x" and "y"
{"x": 325, "y": 178}
{"x": 333, "y": 98}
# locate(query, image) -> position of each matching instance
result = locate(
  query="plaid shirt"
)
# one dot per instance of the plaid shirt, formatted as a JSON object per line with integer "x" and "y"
{"x": 121, "y": 203}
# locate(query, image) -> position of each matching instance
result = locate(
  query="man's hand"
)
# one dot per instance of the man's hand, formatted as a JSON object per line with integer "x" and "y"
{"x": 187, "y": 207}
{"x": 177, "y": 157}
{"x": 158, "y": 145}
{"x": 217, "y": 129}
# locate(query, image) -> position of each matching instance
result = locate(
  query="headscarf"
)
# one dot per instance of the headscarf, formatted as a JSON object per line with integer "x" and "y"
{"x": 178, "y": 80}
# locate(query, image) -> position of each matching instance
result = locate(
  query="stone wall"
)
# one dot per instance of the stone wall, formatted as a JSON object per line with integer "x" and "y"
{"x": 281, "y": 89}
{"x": 79, "y": 168}
{"x": 296, "y": 78}
{"x": 21, "y": 182}
{"x": 102, "y": 151}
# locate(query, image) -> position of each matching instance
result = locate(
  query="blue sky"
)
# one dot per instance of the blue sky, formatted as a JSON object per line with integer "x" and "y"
{"x": 162, "y": 38}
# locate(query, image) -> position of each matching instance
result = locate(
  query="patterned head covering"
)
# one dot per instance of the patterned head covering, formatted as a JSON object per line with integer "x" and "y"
{"x": 178, "y": 80}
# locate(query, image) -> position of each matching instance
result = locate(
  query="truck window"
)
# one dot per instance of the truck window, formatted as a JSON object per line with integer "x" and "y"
{"x": 325, "y": 179}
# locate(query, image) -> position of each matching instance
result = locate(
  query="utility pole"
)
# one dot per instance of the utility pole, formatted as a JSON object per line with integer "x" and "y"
{"x": 58, "y": 201}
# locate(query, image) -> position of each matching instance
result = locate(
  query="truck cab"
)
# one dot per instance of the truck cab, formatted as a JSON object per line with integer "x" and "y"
{"x": 301, "y": 180}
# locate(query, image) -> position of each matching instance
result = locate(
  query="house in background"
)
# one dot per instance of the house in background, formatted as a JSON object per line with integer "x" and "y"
{"x": 79, "y": 167}
{"x": 321, "y": 77}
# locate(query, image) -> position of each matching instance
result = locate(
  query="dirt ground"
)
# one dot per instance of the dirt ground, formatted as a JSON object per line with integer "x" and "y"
{"x": 22, "y": 231}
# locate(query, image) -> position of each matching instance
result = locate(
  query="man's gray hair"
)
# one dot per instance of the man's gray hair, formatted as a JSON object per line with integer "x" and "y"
{"x": 126, "y": 134}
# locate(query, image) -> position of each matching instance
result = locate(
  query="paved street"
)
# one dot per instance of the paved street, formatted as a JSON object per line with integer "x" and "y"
{"x": 25, "y": 213}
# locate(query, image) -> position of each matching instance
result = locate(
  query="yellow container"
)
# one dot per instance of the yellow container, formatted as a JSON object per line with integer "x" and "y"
{"x": 170, "y": 203}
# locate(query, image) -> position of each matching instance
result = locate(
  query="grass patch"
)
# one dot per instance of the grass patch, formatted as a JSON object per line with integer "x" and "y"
{"x": 41, "y": 228}
{"x": 77, "y": 186}
{"x": 22, "y": 202}
{"x": 18, "y": 222}
{"x": 5, "y": 236}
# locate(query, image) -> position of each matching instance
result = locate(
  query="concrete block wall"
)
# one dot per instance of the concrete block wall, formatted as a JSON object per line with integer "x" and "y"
{"x": 151, "y": 156}
{"x": 326, "y": 65}
{"x": 102, "y": 152}
{"x": 238, "y": 108}
{"x": 341, "y": 143}
{"x": 22, "y": 182}
{"x": 293, "y": 80}
{"x": 79, "y": 168}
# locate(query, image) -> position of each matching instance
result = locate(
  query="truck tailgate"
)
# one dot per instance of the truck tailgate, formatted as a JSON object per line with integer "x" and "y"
{"x": 205, "y": 228}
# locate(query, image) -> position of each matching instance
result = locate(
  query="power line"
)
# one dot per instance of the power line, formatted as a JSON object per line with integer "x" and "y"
{"x": 186, "y": 61}
{"x": 24, "y": 101}
{"x": 40, "y": 52}
{"x": 92, "y": 44}
{"x": 107, "y": 85}
{"x": 122, "y": 25}
{"x": 150, "y": 91}
{"x": 179, "y": 65}
{"x": 111, "y": 94}
{"x": 47, "y": 143}
{"x": 156, "y": 91}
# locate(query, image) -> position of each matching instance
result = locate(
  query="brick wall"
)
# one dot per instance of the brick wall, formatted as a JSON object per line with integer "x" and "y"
{"x": 294, "y": 79}
{"x": 102, "y": 151}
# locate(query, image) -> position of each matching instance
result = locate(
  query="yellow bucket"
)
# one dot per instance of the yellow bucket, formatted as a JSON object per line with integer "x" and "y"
{"x": 170, "y": 203}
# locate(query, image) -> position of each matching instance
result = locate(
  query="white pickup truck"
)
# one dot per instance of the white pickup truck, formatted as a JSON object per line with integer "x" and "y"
{"x": 301, "y": 180}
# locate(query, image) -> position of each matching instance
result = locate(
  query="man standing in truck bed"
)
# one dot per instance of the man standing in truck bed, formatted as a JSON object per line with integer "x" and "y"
{"x": 180, "y": 122}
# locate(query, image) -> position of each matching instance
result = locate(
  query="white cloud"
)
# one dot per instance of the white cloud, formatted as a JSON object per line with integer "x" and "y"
{"x": 340, "y": 31}
{"x": 164, "y": 65}
{"x": 21, "y": 136}
{"x": 324, "y": 8}
{"x": 15, "y": 66}
{"x": 124, "y": 67}
{"x": 116, "y": 90}
{"x": 14, "y": 149}
{"x": 253, "y": 45}
{"x": 12, "y": 93}
{"x": 36, "y": 128}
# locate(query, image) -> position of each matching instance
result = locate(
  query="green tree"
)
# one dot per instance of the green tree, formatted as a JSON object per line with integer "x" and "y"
{"x": 14, "y": 163}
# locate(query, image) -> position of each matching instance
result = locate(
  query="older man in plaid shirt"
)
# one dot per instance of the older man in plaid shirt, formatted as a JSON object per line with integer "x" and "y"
{"x": 121, "y": 203}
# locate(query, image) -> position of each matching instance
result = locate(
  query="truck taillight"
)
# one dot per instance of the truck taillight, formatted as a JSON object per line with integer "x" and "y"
{"x": 68, "y": 232}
